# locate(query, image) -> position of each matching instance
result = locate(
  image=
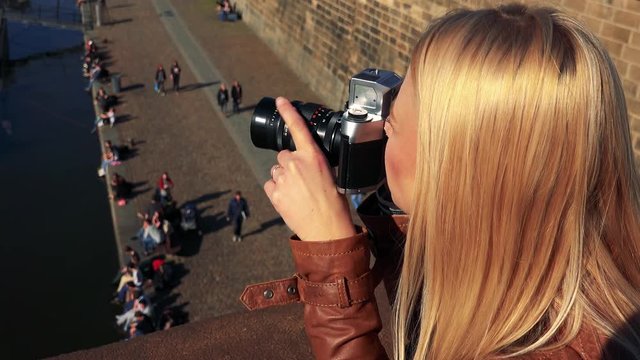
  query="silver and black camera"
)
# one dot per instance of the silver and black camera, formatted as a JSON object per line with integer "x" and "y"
{"x": 353, "y": 140}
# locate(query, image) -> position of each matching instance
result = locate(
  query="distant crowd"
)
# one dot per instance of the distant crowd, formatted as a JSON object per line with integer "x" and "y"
{"x": 143, "y": 283}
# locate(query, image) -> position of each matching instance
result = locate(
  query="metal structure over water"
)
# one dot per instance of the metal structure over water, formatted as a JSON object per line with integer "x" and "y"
{"x": 56, "y": 16}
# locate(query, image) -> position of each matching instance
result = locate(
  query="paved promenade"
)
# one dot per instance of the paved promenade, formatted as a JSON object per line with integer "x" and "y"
{"x": 208, "y": 155}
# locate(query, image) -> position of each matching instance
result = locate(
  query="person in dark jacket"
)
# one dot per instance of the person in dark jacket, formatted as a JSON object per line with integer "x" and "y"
{"x": 102, "y": 100}
{"x": 175, "y": 76}
{"x": 121, "y": 188}
{"x": 236, "y": 95}
{"x": 237, "y": 212}
{"x": 223, "y": 97}
{"x": 141, "y": 325}
{"x": 160, "y": 78}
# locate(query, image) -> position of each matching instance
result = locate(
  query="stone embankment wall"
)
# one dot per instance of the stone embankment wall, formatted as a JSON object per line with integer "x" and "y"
{"x": 327, "y": 41}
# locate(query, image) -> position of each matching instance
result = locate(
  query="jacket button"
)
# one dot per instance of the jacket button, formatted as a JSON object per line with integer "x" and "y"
{"x": 292, "y": 290}
{"x": 268, "y": 294}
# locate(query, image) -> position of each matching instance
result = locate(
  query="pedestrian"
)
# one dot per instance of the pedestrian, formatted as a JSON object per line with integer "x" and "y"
{"x": 161, "y": 76}
{"x": 236, "y": 95}
{"x": 175, "y": 76}
{"x": 237, "y": 212}
{"x": 223, "y": 97}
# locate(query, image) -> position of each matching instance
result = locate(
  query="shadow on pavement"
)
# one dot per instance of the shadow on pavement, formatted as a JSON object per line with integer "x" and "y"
{"x": 213, "y": 223}
{"x": 132, "y": 87}
{"x": 207, "y": 197}
{"x": 264, "y": 226}
{"x": 247, "y": 108}
{"x": 197, "y": 86}
{"x": 137, "y": 190}
{"x": 124, "y": 118}
{"x": 120, "y": 21}
{"x": 191, "y": 241}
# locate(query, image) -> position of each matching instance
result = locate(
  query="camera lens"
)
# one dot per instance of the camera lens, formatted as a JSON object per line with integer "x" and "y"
{"x": 264, "y": 122}
{"x": 268, "y": 130}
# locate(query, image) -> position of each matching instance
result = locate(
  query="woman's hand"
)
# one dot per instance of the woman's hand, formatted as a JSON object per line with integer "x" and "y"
{"x": 303, "y": 189}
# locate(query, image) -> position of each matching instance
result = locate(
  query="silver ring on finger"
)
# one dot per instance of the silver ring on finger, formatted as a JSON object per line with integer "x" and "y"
{"x": 273, "y": 170}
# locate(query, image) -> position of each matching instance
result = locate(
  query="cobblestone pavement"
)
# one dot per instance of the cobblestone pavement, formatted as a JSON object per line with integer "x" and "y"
{"x": 186, "y": 136}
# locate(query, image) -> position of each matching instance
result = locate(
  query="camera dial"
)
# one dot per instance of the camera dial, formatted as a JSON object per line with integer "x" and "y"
{"x": 357, "y": 114}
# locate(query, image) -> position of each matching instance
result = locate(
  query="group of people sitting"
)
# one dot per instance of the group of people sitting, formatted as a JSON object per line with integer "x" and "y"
{"x": 141, "y": 280}
{"x": 106, "y": 106}
{"x": 113, "y": 155}
{"x": 136, "y": 282}
{"x": 93, "y": 67}
{"x": 226, "y": 11}
{"x": 159, "y": 218}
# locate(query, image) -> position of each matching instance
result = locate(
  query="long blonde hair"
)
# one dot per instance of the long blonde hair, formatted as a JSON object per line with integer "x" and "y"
{"x": 525, "y": 215}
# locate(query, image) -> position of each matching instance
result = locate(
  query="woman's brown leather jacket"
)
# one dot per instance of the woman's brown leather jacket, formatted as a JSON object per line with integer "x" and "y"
{"x": 335, "y": 283}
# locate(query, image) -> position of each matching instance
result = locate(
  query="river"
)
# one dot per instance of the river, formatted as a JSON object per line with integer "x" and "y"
{"x": 56, "y": 235}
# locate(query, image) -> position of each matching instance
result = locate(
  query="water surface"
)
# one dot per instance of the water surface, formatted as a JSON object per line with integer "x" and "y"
{"x": 56, "y": 235}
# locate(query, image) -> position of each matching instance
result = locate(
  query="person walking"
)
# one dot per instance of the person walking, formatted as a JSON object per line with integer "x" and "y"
{"x": 223, "y": 97}
{"x": 175, "y": 76}
{"x": 237, "y": 212}
{"x": 160, "y": 78}
{"x": 236, "y": 95}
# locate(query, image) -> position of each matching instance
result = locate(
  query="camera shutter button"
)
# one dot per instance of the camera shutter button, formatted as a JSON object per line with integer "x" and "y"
{"x": 357, "y": 114}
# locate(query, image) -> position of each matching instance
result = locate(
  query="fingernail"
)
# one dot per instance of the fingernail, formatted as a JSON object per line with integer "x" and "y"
{"x": 280, "y": 100}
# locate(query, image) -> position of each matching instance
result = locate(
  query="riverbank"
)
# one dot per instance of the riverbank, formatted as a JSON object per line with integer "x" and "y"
{"x": 208, "y": 155}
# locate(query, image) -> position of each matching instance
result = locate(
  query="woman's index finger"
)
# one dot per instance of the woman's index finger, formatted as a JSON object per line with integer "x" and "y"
{"x": 295, "y": 123}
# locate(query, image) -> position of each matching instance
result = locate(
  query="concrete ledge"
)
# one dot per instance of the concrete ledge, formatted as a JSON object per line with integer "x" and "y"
{"x": 275, "y": 333}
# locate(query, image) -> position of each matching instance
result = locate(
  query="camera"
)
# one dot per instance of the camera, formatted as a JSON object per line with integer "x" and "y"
{"x": 353, "y": 139}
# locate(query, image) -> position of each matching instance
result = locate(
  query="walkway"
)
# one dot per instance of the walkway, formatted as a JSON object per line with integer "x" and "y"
{"x": 208, "y": 155}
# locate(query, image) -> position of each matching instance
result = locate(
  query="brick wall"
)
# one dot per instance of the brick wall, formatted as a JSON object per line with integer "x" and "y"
{"x": 327, "y": 41}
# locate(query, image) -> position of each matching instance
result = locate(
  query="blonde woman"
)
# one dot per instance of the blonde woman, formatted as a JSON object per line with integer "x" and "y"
{"x": 510, "y": 151}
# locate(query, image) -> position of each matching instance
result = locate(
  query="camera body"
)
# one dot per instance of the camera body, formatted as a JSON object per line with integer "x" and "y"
{"x": 361, "y": 161}
{"x": 353, "y": 140}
